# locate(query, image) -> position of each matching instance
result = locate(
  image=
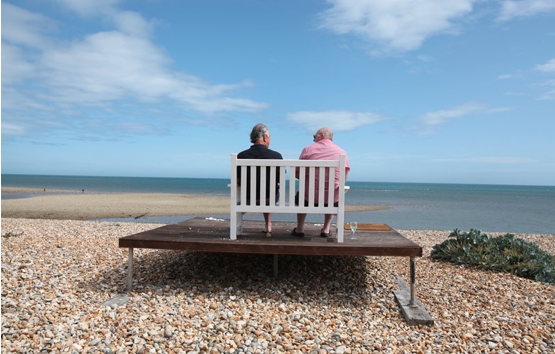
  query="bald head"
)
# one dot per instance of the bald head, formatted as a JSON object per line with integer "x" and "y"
{"x": 323, "y": 133}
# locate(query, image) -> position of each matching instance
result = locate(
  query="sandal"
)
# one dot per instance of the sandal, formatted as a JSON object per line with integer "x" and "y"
{"x": 297, "y": 234}
{"x": 324, "y": 234}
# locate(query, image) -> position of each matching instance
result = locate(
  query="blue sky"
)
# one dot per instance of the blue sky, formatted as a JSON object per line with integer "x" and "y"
{"x": 459, "y": 91}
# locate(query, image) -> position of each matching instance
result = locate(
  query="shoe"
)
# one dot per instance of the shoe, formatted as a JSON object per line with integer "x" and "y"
{"x": 298, "y": 234}
{"x": 268, "y": 233}
{"x": 324, "y": 234}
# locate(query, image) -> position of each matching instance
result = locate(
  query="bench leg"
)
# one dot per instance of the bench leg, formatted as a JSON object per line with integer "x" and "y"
{"x": 235, "y": 225}
{"x": 240, "y": 223}
{"x": 340, "y": 227}
{"x": 412, "y": 302}
{"x": 130, "y": 271}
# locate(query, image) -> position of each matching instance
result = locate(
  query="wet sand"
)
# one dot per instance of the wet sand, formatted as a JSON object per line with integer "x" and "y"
{"x": 84, "y": 206}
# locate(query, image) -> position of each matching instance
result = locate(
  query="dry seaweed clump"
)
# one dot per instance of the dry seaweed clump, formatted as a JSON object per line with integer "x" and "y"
{"x": 501, "y": 254}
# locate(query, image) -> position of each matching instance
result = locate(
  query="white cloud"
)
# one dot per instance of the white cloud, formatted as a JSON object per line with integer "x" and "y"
{"x": 502, "y": 160}
{"x": 394, "y": 25}
{"x": 101, "y": 70}
{"x": 523, "y": 8}
{"x": 19, "y": 66}
{"x": 548, "y": 95}
{"x": 509, "y": 76}
{"x": 548, "y": 67}
{"x": 12, "y": 129}
{"x": 336, "y": 120}
{"x": 431, "y": 121}
{"x": 443, "y": 116}
{"x": 25, "y": 28}
{"x": 500, "y": 109}
{"x": 118, "y": 65}
{"x": 91, "y": 7}
{"x": 133, "y": 23}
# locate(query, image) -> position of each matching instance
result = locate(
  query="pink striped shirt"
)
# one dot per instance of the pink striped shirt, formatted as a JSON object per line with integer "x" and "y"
{"x": 324, "y": 149}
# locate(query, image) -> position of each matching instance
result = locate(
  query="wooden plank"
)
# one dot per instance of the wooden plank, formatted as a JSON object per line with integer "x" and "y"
{"x": 370, "y": 227}
{"x": 414, "y": 315}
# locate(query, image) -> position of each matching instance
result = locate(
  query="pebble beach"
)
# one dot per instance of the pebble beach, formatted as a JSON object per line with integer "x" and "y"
{"x": 60, "y": 277}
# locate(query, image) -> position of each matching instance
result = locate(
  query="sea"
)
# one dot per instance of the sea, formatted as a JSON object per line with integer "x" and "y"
{"x": 420, "y": 206}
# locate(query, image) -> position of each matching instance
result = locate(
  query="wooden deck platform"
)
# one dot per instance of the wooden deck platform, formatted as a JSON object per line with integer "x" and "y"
{"x": 212, "y": 235}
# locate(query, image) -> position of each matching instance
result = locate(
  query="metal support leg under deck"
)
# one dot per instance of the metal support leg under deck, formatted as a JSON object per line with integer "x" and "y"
{"x": 130, "y": 271}
{"x": 412, "y": 282}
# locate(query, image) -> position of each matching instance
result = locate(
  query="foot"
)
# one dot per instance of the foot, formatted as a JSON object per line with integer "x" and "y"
{"x": 324, "y": 234}
{"x": 297, "y": 234}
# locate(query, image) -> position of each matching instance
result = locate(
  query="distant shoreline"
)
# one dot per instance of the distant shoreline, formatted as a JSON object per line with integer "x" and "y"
{"x": 400, "y": 205}
{"x": 22, "y": 190}
{"x": 73, "y": 205}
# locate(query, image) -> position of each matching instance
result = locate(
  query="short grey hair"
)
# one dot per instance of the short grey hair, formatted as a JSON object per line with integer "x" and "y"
{"x": 258, "y": 132}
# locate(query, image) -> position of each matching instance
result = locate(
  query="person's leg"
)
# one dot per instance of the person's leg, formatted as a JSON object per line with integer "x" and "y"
{"x": 327, "y": 223}
{"x": 300, "y": 223}
{"x": 268, "y": 222}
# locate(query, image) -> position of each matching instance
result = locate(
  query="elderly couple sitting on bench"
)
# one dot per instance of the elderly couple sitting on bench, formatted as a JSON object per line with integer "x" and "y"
{"x": 315, "y": 178}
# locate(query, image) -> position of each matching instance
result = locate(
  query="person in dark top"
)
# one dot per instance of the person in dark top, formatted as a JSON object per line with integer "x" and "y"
{"x": 260, "y": 138}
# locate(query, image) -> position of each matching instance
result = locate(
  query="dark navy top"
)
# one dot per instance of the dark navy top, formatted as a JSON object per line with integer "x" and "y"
{"x": 259, "y": 151}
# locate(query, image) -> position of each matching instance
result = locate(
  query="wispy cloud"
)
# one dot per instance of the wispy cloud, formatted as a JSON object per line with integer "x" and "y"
{"x": 336, "y": 120}
{"x": 24, "y": 28}
{"x": 548, "y": 68}
{"x": 549, "y": 94}
{"x": 102, "y": 70}
{"x": 524, "y": 8}
{"x": 510, "y": 76}
{"x": 500, "y": 109}
{"x": 443, "y": 116}
{"x": 394, "y": 26}
{"x": 501, "y": 160}
{"x": 430, "y": 122}
{"x": 90, "y": 8}
{"x": 404, "y": 25}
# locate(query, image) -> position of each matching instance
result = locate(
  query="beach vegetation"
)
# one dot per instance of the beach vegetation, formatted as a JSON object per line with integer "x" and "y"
{"x": 11, "y": 234}
{"x": 501, "y": 254}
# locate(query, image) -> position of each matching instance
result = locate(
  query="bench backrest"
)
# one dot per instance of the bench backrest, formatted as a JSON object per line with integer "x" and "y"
{"x": 288, "y": 185}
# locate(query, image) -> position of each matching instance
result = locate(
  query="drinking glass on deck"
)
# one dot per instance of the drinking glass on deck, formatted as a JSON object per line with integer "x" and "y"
{"x": 353, "y": 225}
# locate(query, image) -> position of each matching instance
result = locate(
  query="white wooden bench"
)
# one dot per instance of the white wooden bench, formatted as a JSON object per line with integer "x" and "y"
{"x": 288, "y": 189}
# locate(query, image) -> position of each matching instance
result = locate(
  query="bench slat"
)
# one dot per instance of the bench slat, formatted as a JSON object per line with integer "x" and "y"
{"x": 321, "y": 185}
{"x": 311, "y": 191}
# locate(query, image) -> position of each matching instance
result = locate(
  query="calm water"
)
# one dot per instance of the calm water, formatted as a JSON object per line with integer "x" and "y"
{"x": 525, "y": 209}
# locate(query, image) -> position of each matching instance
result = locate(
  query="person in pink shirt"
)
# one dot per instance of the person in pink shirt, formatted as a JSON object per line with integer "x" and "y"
{"x": 322, "y": 149}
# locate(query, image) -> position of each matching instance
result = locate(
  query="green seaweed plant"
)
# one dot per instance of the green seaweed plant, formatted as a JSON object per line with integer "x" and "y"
{"x": 11, "y": 234}
{"x": 501, "y": 254}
